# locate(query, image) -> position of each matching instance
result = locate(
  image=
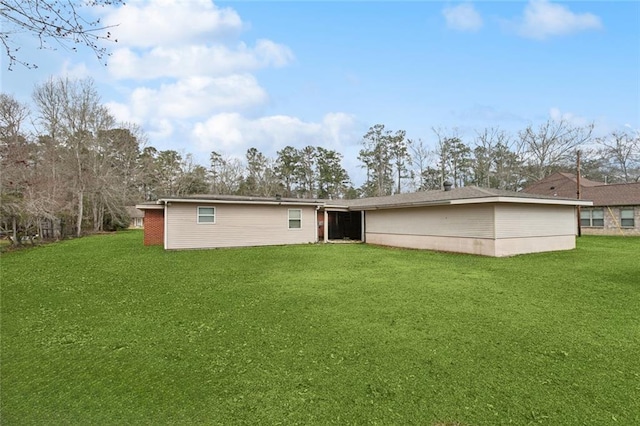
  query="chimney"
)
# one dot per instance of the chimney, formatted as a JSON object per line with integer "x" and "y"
{"x": 447, "y": 186}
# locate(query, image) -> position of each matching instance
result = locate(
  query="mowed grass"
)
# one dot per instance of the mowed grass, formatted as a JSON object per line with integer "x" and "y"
{"x": 102, "y": 330}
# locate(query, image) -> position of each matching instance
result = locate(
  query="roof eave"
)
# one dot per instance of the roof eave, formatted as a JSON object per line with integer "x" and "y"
{"x": 402, "y": 205}
{"x": 483, "y": 200}
{"x": 248, "y": 202}
{"x": 523, "y": 200}
{"x": 156, "y": 206}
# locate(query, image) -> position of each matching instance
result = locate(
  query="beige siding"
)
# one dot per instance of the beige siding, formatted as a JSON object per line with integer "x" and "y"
{"x": 513, "y": 246}
{"x": 479, "y": 246}
{"x": 488, "y": 229}
{"x": 236, "y": 226}
{"x": 532, "y": 220}
{"x": 445, "y": 221}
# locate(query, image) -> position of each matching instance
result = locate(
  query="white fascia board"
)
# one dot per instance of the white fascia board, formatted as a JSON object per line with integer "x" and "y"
{"x": 402, "y": 206}
{"x": 268, "y": 203}
{"x": 484, "y": 200}
{"x": 335, "y": 208}
{"x": 523, "y": 200}
{"x": 149, "y": 206}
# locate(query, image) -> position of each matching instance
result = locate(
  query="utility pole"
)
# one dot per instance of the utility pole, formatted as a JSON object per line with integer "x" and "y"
{"x": 578, "y": 189}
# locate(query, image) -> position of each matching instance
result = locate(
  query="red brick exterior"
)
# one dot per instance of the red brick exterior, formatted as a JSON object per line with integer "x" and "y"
{"x": 154, "y": 227}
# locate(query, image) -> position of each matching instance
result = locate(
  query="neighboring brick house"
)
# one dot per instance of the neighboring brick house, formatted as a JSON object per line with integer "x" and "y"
{"x": 616, "y": 207}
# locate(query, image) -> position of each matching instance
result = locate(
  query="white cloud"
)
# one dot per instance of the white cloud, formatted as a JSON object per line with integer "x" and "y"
{"x": 74, "y": 71}
{"x": 161, "y": 129}
{"x": 181, "y": 38}
{"x": 198, "y": 59}
{"x": 234, "y": 134}
{"x": 463, "y": 17}
{"x": 170, "y": 22}
{"x": 557, "y": 115}
{"x": 543, "y": 20}
{"x": 192, "y": 97}
{"x": 197, "y": 90}
{"x": 121, "y": 112}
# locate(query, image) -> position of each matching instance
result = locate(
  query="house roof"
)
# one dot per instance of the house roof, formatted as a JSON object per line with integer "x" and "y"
{"x": 619, "y": 194}
{"x": 232, "y": 199}
{"x": 583, "y": 181}
{"x": 466, "y": 195}
{"x": 564, "y": 185}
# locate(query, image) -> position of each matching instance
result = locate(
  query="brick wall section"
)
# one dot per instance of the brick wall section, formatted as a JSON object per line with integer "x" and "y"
{"x": 154, "y": 227}
{"x": 611, "y": 224}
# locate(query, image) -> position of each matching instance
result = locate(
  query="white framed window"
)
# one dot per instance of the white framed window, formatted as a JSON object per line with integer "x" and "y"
{"x": 626, "y": 218}
{"x": 295, "y": 218}
{"x": 592, "y": 218}
{"x": 206, "y": 215}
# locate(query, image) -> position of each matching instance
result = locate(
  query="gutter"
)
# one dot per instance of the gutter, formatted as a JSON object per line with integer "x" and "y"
{"x": 268, "y": 203}
{"x": 166, "y": 224}
{"x": 511, "y": 200}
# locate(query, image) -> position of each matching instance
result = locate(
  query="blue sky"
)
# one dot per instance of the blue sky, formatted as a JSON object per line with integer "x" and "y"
{"x": 226, "y": 76}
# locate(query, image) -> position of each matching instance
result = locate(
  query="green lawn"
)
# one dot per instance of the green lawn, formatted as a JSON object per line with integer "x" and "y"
{"x": 102, "y": 330}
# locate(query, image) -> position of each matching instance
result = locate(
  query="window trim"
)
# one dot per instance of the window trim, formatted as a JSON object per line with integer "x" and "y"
{"x": 632, "y": 218}
{"x": 591, "y": 219}
{"x": 289, "y": 219}
{"x": 199, "y": 215}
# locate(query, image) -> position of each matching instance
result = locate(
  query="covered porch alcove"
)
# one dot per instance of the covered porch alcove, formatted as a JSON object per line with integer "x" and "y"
{"x": 336, "y": 224}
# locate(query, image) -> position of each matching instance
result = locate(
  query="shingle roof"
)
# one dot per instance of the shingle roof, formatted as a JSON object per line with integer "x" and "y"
{"x": 390, "y": 201}
{"x": 583, "y": 181}
{"x": 564, "y": 185}
{"x": 619, "y": 194}
{"x": 428, "y": 197}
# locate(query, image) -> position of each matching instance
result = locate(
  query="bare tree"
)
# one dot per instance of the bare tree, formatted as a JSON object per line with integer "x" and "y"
{"x": 551, "y": 144}
{"x": 421, "y": 158}
{"x": 225, "y": 174}
{"x": 496, "y": 162}
{"x": 71, "y": 114}
{"x": 52, "y": 20}
{"x": 15, "y": 164}
{"x": 112, "y": 158}
{"x": 622, "y": 149}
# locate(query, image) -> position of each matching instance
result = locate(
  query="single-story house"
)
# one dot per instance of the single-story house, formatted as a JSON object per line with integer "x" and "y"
{"x": 615, "y": 210}
{"x": 136, "y": 217}
{"x": 473, "y": 220}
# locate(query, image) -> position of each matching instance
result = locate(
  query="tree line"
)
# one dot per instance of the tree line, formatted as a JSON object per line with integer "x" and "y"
{"x": 69, "y": 167}
{"x": 79, "y": 168}
{"x": 494, "y": 158}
